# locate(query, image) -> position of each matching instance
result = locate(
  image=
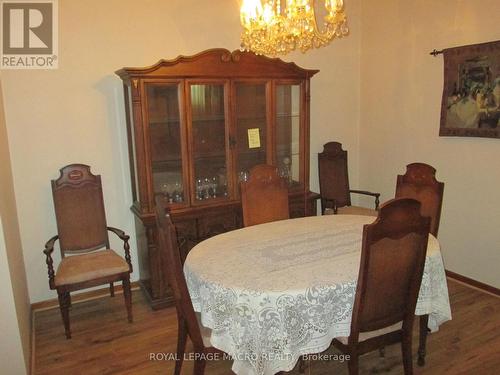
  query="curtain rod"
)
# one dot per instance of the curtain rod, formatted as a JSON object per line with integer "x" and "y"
{"x": 435, "y": 52}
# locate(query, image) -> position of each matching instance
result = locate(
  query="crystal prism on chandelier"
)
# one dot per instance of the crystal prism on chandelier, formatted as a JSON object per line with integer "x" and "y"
{"x": 275, "y": 27}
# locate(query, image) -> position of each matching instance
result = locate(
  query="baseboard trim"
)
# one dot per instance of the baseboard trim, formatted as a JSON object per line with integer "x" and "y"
{"x": 473, "y": 283}
{"x": 81, "y": 297}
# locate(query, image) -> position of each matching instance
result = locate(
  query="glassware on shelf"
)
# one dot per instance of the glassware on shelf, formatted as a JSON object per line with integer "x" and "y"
{"x": 177, "y": 195}
{"x": 199, "y": 189}
{"x": 173, "y": 192}
{"x": 206, "y": 188}
{"x": 209, "y": 188}
{"x": 164, "y": 189}
{"x": 243, "y": 176}
{"x": 222, "y": 186}
{"x": 285, "y": 170}
{"x": 213, "y": 187}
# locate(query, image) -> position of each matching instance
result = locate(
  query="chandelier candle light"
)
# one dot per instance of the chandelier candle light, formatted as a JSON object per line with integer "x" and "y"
{"x": 275, "y": 27}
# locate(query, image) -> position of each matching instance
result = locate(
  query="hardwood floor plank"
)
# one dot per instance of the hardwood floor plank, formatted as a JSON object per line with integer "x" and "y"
{"x": 104, "y": 343}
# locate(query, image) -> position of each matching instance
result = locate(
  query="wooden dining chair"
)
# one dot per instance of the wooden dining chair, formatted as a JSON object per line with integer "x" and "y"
{"x": 86, "y": 257}
{"x": 392, "y": 264}
{"x": 188, "y": 323}
{"x": 334, "y": 183}
{"x": 264, "y": 197}
{"x": 419, "y": 182}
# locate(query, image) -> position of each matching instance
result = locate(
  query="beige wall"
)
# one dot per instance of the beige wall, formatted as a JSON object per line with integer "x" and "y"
{"x": 401, "y": 88}
{"x": 76, "y": 113}
{"x": 15, "y": 312}
{"x": 11, "y": 345}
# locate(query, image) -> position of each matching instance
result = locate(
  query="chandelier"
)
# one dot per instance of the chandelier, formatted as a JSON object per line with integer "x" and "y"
{"x": 275, "y": 27}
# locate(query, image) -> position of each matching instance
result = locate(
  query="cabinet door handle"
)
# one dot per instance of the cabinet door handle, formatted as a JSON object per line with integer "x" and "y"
{"x": 232, "y": 141}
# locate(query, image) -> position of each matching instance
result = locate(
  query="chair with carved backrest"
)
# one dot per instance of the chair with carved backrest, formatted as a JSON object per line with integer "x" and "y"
{"x": 419, "y": 182}
{"x": 390, "y": 273}
{"x": 86, "y": 257}
{"x": 264, "y": 197}
{"x": 188, "y": 323}
{"x": 334, "y": 183}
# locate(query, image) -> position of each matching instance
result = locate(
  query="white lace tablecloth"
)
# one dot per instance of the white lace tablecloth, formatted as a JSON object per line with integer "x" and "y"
{"x": 275, "y": 291}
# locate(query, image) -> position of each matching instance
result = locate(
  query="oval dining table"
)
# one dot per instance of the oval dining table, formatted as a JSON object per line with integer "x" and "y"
{"x": 272, "y": 292}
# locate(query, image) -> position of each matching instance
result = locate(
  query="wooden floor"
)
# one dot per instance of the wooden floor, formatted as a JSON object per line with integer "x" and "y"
{"x": 104, "y": 343}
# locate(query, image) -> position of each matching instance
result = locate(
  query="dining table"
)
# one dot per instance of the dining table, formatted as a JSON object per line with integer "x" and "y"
{"x": 272, "y": 292}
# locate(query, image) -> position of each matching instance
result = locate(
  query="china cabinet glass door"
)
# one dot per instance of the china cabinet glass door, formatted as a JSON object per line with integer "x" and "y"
{"x": 195, "y": 126}
{"x": 251, "y": 126}
{"x": 207, "y": 103}
{"x": 287, "y": 133}
{"x": 165, "y": 136}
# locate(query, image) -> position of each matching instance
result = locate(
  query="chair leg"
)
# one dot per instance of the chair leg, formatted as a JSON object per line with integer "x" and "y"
{"x": 111, "y": 289}
{"x": 407, "y": 355}
{"x": 352, "y": 364}
{"x": 199, "y": 364}
{"x": 422, "y": 340}
{"x": 303, "y": 364}
{"x": 182, "y": 334}
{"x": 381, "y": 352}
{"x": 64, "y": 301}
{"x": 127, "y": 295}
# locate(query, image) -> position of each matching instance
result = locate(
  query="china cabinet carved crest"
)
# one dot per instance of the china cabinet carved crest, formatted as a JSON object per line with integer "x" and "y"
{"x": 196, "y": 125}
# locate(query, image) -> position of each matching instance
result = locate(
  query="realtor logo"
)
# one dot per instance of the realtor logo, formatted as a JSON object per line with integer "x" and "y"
{"x": 29, "y": 34}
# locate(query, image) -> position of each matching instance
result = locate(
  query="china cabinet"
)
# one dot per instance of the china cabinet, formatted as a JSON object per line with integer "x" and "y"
{"x": 196, "y": 125}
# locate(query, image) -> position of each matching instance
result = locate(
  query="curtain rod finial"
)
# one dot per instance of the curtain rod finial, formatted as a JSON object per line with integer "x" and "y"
{"x": 435, "y": 52}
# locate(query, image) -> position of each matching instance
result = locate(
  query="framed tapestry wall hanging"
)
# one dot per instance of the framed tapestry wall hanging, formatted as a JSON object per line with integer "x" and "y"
{"x": 470, "y": 106}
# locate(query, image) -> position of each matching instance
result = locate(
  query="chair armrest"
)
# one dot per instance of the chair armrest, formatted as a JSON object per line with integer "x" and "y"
{"x": 364, "y": 192}
{"x": 124, "y": 237}
{"x": 49, "y": 248}
{"x": 121, "y": 234}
